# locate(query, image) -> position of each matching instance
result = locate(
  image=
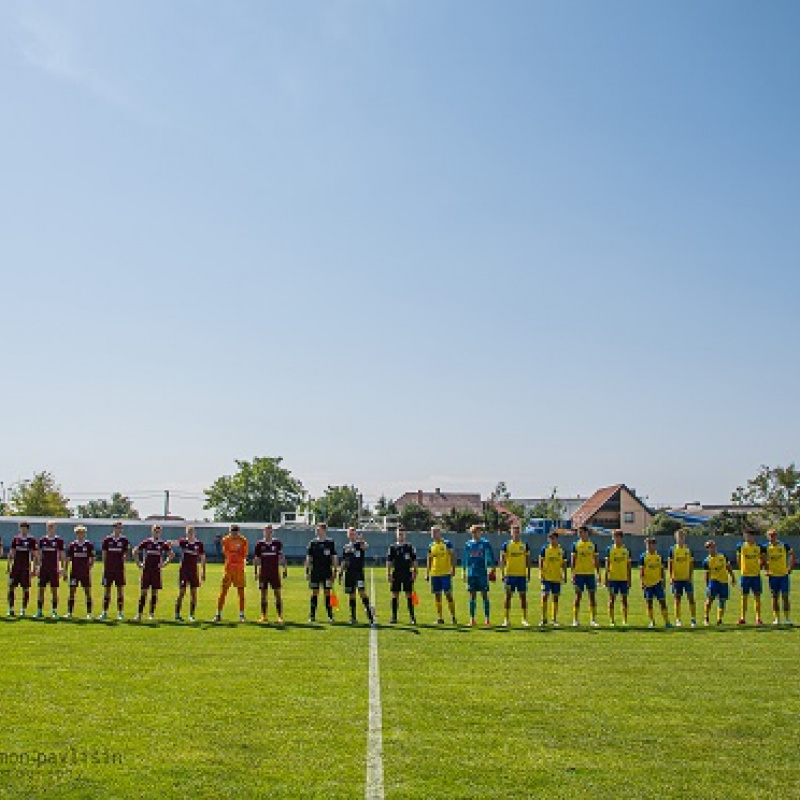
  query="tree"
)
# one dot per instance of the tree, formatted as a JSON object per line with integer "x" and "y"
{"x": 459, "y": 520}
{"x": 39, "y": 497}
{"x": 339, "y": 506}
{"x": 500, "y": 493}
{"x": 729, "y": 523}
{"x": 384, "y": 507}
{"x": 775, "y": 489}
{"x": 118, "y": 507}
{"x": 258, "y": 492}
{"x": 416, "y": 518}
{"x": 789, "y": 526}
{"x": 552, "y": 508}
{"x": 495, "y": 520}
{"x": 663, "y": 525}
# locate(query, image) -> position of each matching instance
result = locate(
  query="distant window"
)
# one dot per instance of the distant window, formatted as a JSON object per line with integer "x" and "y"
{"x": 628, "y": 517}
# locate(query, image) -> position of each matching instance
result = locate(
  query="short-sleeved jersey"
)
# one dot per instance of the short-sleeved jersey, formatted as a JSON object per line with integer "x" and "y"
{"x": 748, "y": 557}
{"x": 618, "y": 559}
{"x": 234, "y": 549}
{"x": 680, "y": 556}
{"x": 79, "y": 554}
{"x": 651, "y": 566}
{"x": 585, "y": 556}
{"x": 717, "y": 567}
{"x": 478, "y": 557}
{"x": 321, "y": 553}
{"x": 24, "y": 547}
{"x": 353, "y": 556}
{"x": 114, "y": 550}
{"x": 777, "y": 559}
{"x": 153, "y": 552}
{"x": 49, "y": 550}
{"x": 402, "y": 558}
{"x": 267, "y": 556}
{"x": 190, "y": 554}
{"x": 441, "y": 557}
{"x": 516, "y": 558}
{"x": 552, "y": 563}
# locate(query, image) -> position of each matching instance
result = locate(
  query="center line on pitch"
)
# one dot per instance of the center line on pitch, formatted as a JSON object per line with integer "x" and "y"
{"x": 374, "y": 782}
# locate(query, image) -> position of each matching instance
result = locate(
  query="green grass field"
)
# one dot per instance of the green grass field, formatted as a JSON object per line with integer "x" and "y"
{"x": 171, "y": 710}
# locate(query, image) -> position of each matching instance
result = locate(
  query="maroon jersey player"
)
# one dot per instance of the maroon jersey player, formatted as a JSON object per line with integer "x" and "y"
{"x": 270, "y": 564}
{"x": 51, "y": 564}
{"x": 20, "y": 564}
{"x": 80, "y": 558}
{"x": 155, "y": 553}
{"x": 193, "y": 555}
{"x": 114, "y": 550}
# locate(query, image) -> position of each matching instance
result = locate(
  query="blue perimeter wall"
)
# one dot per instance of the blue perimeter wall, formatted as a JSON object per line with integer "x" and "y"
{"x": 296, "y": 539}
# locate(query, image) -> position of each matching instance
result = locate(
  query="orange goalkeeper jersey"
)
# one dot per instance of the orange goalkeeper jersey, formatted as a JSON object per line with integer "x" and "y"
{"x": 234, "y": 548}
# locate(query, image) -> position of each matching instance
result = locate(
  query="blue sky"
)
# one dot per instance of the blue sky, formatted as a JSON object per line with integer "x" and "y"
{"x": 401, "y": 244}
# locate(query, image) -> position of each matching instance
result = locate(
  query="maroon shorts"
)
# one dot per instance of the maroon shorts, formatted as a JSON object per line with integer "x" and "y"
{"x": 22, "y": 579}
{"x": 48, "y": 578}
{"x": 266, "y": 579}
{"x": 191, "y": 579}
{"x": 114, "y": 577}
{"x": 151, "y": 579}
{"x": 80, "y": 580}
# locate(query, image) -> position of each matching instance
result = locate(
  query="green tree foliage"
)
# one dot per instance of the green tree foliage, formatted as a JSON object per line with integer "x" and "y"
{"x": 500, "y": 493}
{"x": 495, "y": 520}
{"x": 663, "y": 525}
{"x": 459, "y": 520}
{"x": 384, "y": 507}
{"x": 552, "y": 508}
{"x": 416, "y": 518}
{"x": 775, "y": 489}
{"x": 258, "y": 492}
{"x": 118, "y": 507}
{"x": 39, "y": 497}
{"x": 789, "y": 526}
{"x": 729, "y": 523}
{"x": 338, "y": 507}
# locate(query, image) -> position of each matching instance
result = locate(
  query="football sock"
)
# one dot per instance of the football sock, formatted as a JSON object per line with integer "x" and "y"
{"x": 314, "y": 602}
{"x": 472, "y": 607}
{"x": 106, "y": 602}
{"x": 241, "y": 601}
{"x": 153, "y": 601}
{"x": 365, "y": 601}
{"x": 279, "y": 606}
{"x": 352, "y": 606}
{"x": 486, "y": 606}
{"x": 395, "y": 605}
{"x": 410, "y": 607}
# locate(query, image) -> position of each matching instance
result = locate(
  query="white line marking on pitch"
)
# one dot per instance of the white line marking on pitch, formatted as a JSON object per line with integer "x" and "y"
{"x": 374, "y": 783}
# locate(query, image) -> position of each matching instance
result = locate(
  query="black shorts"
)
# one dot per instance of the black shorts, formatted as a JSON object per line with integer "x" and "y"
{"x": 354, "y": 582}
{"x": 319, "y": 580}
{"x": 81, "y": 580}
{"x": 402, "y": 583}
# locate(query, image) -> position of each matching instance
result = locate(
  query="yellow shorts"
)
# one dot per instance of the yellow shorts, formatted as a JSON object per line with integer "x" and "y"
{"x": 233, "y": 577}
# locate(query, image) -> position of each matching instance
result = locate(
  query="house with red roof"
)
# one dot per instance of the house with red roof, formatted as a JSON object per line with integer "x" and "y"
{"x": 614, "y": 507}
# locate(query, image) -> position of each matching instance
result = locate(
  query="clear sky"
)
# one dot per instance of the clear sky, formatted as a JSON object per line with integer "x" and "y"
{"x": 400, "y": 244}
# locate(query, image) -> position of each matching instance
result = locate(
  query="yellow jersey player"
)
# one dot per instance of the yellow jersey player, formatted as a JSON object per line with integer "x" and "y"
{"x": 651, "y": 571}
{"x": 718, "y": 570}
{"x": 585, "y": 564}
{"x": 681, "y": 576}
{"x": 552, "y": 573}
{"x": 779, "y": 560}
{"x": 515, "y": 569}
{"x": 440, "y": 570}
{"x": 618, "y": 576}
{"x": 235, "y": 549}
{"x": 750, "y": 557}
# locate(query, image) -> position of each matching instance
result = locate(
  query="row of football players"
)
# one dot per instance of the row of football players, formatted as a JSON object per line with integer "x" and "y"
{"x": 48, "y": 558}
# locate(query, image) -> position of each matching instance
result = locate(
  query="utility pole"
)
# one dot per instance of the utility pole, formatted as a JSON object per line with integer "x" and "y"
{"x": 166, "y": 503}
